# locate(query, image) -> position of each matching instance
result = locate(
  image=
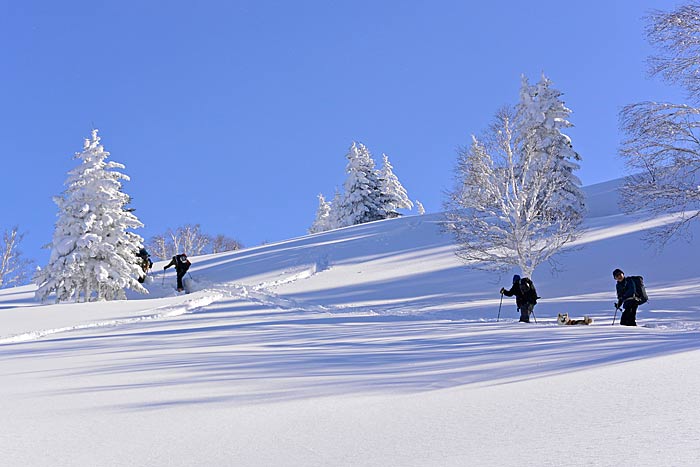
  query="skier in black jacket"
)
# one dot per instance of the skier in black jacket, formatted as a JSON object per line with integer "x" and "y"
{"x": 626, "y": 298}
{"x": 182, "y": 264}
{"x": 525, "y": 300}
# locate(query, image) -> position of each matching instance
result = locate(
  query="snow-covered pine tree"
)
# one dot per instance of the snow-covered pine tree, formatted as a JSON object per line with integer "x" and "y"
{"x": 420, "y": 208}
{"x": 93, "y": 251}
{"x": 516, "y": 202}
{"x": 322, "y": 221}
{"x": 541, "y": 118}
{"x": 361, "y": 200}
{"x": 334, "y": 220}
{"x": 394, "y": 195}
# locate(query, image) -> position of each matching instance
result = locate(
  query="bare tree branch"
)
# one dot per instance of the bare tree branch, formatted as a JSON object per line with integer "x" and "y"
{"x": 14, "y": 268}
{"x": 662, "y": 142}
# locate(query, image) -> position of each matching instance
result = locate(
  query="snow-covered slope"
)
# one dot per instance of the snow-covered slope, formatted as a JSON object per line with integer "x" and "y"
{"x": 369, "y": 345}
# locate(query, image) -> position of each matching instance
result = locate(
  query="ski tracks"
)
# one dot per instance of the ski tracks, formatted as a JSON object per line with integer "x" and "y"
{"x": 206, "y": 295}
{"x": 168, "y": 311}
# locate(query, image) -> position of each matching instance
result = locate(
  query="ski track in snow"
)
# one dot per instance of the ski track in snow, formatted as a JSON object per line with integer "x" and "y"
{"x": 259, "y": 293}
{"x": 165, "y": 312}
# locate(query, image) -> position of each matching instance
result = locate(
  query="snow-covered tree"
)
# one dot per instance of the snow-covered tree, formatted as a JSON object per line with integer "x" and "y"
{"x": 190, "y": 239}
{"x": 323, "y": 219}
{"x": 541, "y": 118}
{"x": 220, "y": 243}
{"x": 334, "y": 220}
{"x": 159, "y": 247}
{"x": 420, "y": 208}
{"x": 93, "y": 251}
{"x": 516, "y": 201}
{"x": 14, "y": 268}
{"x": 394, "y": 195}
{"x": 361, "y": 200}
{"x": 662, "y": 144}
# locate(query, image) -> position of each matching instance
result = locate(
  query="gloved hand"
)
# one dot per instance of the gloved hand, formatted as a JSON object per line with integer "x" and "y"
{"x": 503, "y": 290}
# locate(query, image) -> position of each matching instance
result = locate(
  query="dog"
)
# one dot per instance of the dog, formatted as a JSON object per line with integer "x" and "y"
{"x": 564, "y": 319}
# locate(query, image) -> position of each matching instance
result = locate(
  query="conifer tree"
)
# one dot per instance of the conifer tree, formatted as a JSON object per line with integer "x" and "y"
{"x": 394, "y": 195}
{"x": 420, "y": 208}
{"x": 93, "y": 250}
{"x": 361, "y": 200}
{"x": 334, "y": 220}
{"x": 322, "y": 221}
{"x": 541, "y": 118}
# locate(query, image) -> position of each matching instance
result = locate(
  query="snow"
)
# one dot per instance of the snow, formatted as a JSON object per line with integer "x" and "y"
{"x": 370, "y": 345}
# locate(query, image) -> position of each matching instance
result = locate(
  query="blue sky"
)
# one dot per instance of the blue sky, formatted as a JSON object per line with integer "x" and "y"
{"x": 236, "y": 114}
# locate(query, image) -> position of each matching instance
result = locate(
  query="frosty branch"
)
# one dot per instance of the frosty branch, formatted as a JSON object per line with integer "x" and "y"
{"x": 662, "y": 140}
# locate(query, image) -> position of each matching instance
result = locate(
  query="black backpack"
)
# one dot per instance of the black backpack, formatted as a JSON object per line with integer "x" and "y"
{"x": 640, "y": 292}
{"x": 527, "y": 288}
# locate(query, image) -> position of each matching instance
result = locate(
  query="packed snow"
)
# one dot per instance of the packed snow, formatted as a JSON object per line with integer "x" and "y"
{"x": 370, "y": 345}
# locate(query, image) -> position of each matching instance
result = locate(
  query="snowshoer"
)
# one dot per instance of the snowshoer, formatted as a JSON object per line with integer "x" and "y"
{"x": 626, "y": 298}
{"x": 144, "y": 260}
{"x": 525, "y": 296}
{"x": 182, "y": 264}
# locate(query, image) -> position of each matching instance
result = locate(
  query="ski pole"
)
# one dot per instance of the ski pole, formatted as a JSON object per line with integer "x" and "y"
{"x": 615, "y": 315}
{"x": 533, "y": 314}
{"x": 163, "y": 282}
{"x": 499, "y": 308}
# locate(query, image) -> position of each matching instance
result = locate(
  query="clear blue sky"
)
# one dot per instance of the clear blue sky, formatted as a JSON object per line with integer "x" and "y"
{"x": 236, "y": 114}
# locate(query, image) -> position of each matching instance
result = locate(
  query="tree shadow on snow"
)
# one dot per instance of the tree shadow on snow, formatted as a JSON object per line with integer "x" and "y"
{"x": 242, "y": 353}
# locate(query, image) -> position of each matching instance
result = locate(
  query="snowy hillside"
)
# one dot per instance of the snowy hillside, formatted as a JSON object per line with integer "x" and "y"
{"x": 369, "y": 345}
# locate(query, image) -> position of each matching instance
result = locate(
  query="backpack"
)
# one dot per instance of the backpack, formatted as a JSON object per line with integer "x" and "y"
{"x": 640, "y": 292}
{"x": 527, "y": 288}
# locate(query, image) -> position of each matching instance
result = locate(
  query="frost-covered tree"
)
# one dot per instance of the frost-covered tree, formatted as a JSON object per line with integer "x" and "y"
{"x": 93, "y": 250}
{"x": 191, "y": 240}
{"x": 334, "y": 220}
{"x": 361, "y": 200}
{"x": 159, "y": 247}
{"x": 220, "y": 243}
{"x": 662, "y": 143}
{"x": 394, "y": 195}
{"x": 516, "y": 202}
{"x": 14, "y": 268}
{"x": 420, "y": 208}
{"x": 323, "y": 219}
{"x": 541, "y": 118}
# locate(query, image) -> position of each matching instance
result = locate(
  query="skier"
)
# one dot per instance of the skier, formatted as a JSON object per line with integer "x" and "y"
{"x": 182, "y": 264}
{"x": 626, "y": 298}
{"x": 525, "y": 296}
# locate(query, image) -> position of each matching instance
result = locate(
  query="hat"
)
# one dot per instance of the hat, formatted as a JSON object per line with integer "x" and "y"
{"x": 618, "y": 272}
{"x": 516, "y": 278}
